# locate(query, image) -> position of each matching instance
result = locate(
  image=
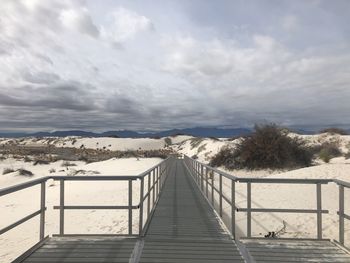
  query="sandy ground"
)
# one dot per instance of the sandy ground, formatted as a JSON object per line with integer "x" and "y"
{"x": 17, "y": 205}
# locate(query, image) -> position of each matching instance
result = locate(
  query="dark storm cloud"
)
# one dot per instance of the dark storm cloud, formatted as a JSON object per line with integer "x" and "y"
{"x": 40, "y": 77}
{"x": 69, "y": 95}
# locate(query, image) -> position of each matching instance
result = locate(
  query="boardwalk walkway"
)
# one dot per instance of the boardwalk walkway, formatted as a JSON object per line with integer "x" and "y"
{"x": 183, "y": 228}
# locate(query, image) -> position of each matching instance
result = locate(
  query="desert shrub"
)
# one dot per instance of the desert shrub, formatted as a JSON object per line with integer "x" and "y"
{"x": 52, "y": 170}
{"x": 27, "y": 159}
{"x": 167, "y": 141}
{"x": 225, "y": 157}
{"x": 347, "y": 155}
{"x": 268, "y": 147}
{"x": 67, "y": 164}
{"x": 328, "y": 150}
{"x": 25, "y": 172}
{"x": 36, "y": 162}
{"x": 335, "y": 131}
{"x": 7, "y": 171}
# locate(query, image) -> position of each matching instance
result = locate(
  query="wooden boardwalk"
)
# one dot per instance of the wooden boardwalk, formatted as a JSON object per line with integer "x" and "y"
{"x": 183, "y": 228}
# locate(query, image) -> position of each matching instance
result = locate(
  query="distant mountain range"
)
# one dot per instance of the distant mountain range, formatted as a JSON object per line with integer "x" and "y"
{"x": 197, "y": 132}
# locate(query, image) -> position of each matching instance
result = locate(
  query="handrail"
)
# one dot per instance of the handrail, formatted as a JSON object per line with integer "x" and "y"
{"x": 283, "y": 180}
{"x": 197, "y": 170}
{"x": 21, "y": 186}
{"x": 200, "y": 173}
{"x": 158, "y": 172}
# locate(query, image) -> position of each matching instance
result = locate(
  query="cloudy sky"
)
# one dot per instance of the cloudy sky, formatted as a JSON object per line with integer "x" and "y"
{"x": 102, "y": 65}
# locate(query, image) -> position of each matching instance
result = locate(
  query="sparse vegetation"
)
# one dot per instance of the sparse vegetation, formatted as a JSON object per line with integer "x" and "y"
{"x": 195, "y": 142}
{"x": 168, "y": 141}
{"x": 24, "y": 172}
{"x": 201, "y": 148}
{"x": 335, "y": 131}
{"x": 268, "y": 147}
{"x": 7, "y": 171}
{"x": 68, "y": 164}
{"x": 27, "y": 159}
{"x": 40, "y": 162}
{"x": 328, "y": 150}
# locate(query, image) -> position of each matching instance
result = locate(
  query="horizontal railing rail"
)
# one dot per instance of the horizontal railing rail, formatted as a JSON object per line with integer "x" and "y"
{"x": 318, "y": 211}
{"x": 200, "y": 171}
{"x": 154, "y": 187}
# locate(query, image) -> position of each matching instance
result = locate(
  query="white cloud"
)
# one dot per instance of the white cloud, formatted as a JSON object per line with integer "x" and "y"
{"x": 79, "y": 20}
{"x": 124, "y": 25}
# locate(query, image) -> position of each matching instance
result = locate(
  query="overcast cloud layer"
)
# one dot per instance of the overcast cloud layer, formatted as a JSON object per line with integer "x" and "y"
{"x": 102, "y": 65}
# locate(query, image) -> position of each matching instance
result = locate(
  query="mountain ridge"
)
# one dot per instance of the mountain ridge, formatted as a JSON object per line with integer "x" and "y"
{"x": 197, "y": 132}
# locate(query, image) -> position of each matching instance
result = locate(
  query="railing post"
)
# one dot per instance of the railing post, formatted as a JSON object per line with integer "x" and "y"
{"x": 197, "y": 172}
{"x": 341, "y": 214}
{"x": 206, "y": 181}
{"x": 319, "y": 210}
{"x": 42, "y": 208}
{"x": 233, "y": 209}
{"x": 141, "y": 207}
{"x": 149, "y": 195}
{"x": 220, "y": 189}
{"x": 202, "y": 178}
{"x": 153, "y": 186}
{"x": 130, "y": 207}
{"x": 157, "y": 183}
{"x": 249, "y": 213}
{"x": 212, "y": 188}
{"x": 61, "y": 207}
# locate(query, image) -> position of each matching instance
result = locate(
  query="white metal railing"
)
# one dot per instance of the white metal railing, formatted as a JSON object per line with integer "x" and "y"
{"x": 200, "y": 173}
{"x": 155, "y": 177}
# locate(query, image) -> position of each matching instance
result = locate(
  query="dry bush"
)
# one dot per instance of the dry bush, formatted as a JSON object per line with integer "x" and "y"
{"x": 67, "y": 164}
{"x": 167, "y": 141}
{"x": 269, "y": 147}
{"x": 40, "y": 162}
{"x": 327, "y": 151}
{"x": 24, "y": 172}
{"x": 7, "y": 171}
{"x": 27, "y": 159}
